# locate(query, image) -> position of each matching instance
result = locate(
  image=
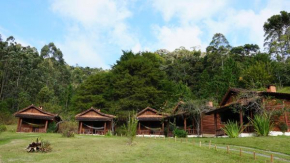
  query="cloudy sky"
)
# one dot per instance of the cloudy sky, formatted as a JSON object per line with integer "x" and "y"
{"x": 94, "y": 32}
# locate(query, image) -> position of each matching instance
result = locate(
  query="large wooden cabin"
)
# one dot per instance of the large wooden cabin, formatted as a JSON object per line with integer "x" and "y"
{"x": 230, "y": 108}
{"x": 150, "y": 122}
{"x": 194, "y": 126}
{"x": 93, "y": 121}
{"x": 34, "y": 119}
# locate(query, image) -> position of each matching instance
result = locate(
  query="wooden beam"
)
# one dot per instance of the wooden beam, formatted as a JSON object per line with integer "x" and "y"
{"x": 46, "y": 123}
{"x": 81, "y": 128}
{"x": 105, "y": 127}
{"x": 163, "y": 127}
{"x": 215, "y": 123}
{"x": 139, "y": 127}
{"x": 241, "y": 118}
{"x": 184, "y": 123}
{"x": 20, "y": 125}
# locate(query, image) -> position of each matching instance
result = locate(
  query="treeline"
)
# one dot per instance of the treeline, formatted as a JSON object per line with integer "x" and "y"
{"x": 157, "y": 79}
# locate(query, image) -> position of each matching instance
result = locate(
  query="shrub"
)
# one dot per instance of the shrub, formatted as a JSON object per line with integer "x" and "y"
{"x": 70, "y": 125}
{"x": 262, "y": 124}
{"x": 52, "y": 127}
{"x": 121, "y": 130}
{"x": 45, "y": 146}
{"x": 109, "y": 133}
{"x": 131, "y": 128}
{"x": 180, "y": 133}
{"x": 283, "y": 127}
{"x": 68, "y": 128}
{"x": 232, "y": 129}
{"x": 2, "y": 128}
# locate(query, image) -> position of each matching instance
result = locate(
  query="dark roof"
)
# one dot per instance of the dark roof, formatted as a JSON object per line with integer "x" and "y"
{"x": 230, "y": 91}
{"x": 224, "y": 106}
{"x": 45, "y": 115}
{"x": 106, "y": 117}
{"x": 156, "y": 117}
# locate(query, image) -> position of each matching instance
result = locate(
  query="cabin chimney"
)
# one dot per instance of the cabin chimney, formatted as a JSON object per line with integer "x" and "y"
{"x": 271, "y": 88}
{"x": 40, "y": 107}
{"x": 210, "y": 104}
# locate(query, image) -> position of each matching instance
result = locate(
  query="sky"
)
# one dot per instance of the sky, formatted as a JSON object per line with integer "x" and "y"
{"x": 94, "y": 32}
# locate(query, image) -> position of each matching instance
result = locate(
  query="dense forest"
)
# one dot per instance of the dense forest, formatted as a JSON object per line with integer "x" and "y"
{"x": 157, "y": 79}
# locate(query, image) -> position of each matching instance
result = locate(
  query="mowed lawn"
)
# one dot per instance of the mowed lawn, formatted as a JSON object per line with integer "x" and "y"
{"x": 86, "y": 148}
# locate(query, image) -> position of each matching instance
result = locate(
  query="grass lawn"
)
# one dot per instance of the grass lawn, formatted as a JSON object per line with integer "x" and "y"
{"x": 86, "y": 148}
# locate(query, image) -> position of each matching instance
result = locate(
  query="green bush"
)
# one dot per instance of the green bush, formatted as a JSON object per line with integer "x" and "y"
{"x": 262, "y": 124}
{"x": 180, "y": 133}
{"x": 283, "y": 127}
{"x": 109, "y": 133}
{"x": 52, "y": 127}
{"x": 68, "y": 133}
{"x": 2, "y": 128}
{"x": 232, "y": 129}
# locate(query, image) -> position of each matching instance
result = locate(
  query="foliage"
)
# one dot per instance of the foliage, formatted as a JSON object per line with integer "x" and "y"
{"x": 232, "y": 129}
{"x": 283, "y": 126}
{"x": 2, "y": 128}
{"x": 262, "y": 124}
{"x": 131, "y": 128}
{"x": 45, "y": 146}
{"x": 179, "y": 133}
{"x": 109, "y": 133}
{"x": 68, "y": 128}
{"x": 67, "y": 133}
{"x": 52, "y": 127}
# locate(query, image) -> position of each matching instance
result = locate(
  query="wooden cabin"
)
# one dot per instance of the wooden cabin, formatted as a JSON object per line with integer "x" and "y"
{"x": 230, "y": 108}
{"x": 93, "y": 121}
{"x": 34, "y": 119}
{"x": 150, "y": 122}
{"x": 192, "y": 125}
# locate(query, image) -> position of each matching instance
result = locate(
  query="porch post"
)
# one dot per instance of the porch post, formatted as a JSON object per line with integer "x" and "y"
{"x": 46, "y": 122}
{"x": 184, "y": 122}
{"x": 215, "y": 123}
{"x": 105, "y": 126}
{"x": 241, "y": 118}
{"x": 139, "y": 127}
{"x": 163, "y": 127}
{"x": 20, "y": 124}
{"x": 81, "y": 127}
{"x": 201, "y": 126}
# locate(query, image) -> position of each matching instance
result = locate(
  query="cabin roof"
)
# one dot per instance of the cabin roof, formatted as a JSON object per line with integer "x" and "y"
{"x": 83, "y": 116}
{"x": 157, "y": 116}
{"x": 41, "y": 114}
{"x": 224, "y": 106}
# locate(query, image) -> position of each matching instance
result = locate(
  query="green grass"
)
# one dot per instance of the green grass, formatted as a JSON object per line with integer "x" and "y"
{"x": 85, "y": 148}
{"x": 277, "y": 144}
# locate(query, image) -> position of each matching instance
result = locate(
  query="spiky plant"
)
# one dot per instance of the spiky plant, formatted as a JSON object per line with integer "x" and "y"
{"x": 131, "y": 128}
{"x": 232, "y": 129}
{"x": 262, "y": 124}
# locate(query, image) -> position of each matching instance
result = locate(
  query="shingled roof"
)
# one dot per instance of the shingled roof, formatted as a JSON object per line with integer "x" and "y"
{"x": 36, "y": 113}
{"x": 156, "y": 116}
{"x": 98, "y": 116}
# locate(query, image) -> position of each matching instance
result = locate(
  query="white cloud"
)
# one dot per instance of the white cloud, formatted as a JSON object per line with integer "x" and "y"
{"x": 171, "y": 38}
{"x": 198, "y": 21}
{"x": 188, "y": 10}
{"x": 96, "y": 28}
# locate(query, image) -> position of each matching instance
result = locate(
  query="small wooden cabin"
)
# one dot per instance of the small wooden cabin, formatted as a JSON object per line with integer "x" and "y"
{"x": 150, "y": 122}
{"x": 228, "y": 110}
{"x": 93, "y": 121}
{"x": 34, "y": 119}
{"x": 188, "y": 123}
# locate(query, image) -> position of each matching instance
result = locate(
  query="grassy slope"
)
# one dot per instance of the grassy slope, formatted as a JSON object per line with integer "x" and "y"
{"x": 109, "y": 149}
